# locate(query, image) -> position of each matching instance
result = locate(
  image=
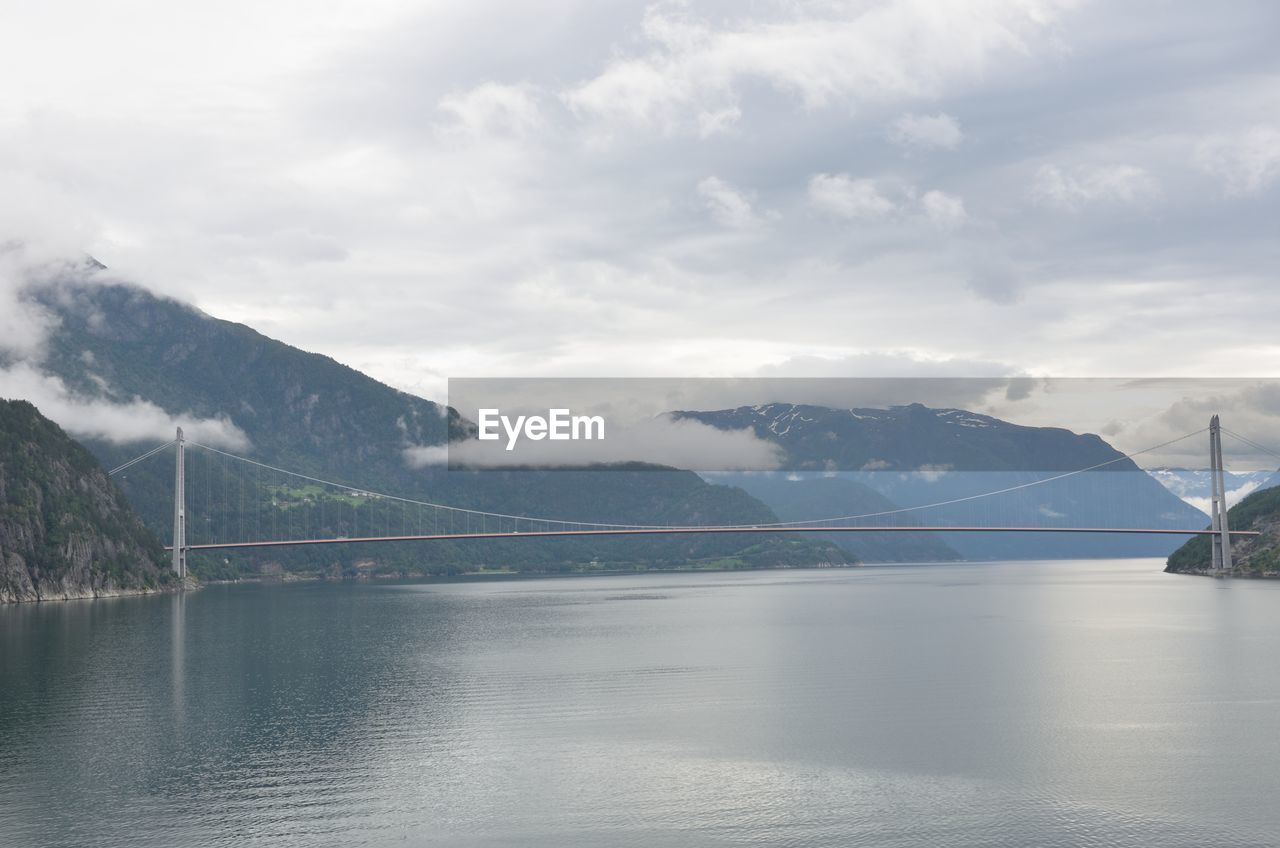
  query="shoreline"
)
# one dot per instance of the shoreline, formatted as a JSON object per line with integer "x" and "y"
{"x": 192, "y": 584}
{"x": 476, "y": 576}
{"x": 1247, "y": 575}
{"x": 468, "y": 576}
{"x": 104, "y": 593}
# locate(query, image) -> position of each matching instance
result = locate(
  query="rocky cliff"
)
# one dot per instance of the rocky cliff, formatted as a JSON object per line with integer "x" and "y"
{"x": 1254, "y": 556}
{"x": 65, "y": 530}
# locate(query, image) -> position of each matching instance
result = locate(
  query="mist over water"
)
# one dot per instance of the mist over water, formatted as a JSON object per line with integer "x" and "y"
{"x": 1010, "y": 704}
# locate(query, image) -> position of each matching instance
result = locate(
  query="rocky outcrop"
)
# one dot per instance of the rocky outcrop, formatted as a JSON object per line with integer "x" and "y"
{"x": 1252, "y": 556}
{"x": 66, "y": 531}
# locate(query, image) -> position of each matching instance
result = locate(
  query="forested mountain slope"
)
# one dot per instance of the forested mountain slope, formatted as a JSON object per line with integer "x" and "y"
{"x": 65, "y": 530}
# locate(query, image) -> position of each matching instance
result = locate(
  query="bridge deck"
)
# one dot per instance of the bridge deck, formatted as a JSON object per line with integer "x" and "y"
{"x": 653, "y": 531}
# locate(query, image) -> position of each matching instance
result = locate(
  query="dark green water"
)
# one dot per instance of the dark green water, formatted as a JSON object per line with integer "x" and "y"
{"x": 1061, "y": 704}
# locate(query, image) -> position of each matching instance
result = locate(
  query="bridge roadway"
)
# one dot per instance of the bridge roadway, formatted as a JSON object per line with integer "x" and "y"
{"x": 653, "y": 531}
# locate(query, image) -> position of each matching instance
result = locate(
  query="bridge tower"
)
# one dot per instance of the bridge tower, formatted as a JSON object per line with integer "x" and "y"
{"x": 180, "y": 509}
{"x": 1218, "y": 506}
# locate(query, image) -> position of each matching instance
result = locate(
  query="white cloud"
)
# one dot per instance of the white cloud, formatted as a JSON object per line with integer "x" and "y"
{"x": 1234, "y": 496}
{"x": 836, "y": 52}
{"x": 846, "y": 197}
{"x": 718, "y": 120}
{"x": 24, "y": 325}
{"x": 1086, "y": 184}
{"x": 120, "y": 423}
{"x": 728, "y": 206}
{"x": 447, "y": 160}
{"x": 42, "y": 232}
{"x": 945, "y": 211}
{"x": 493, "y": 108}
{"x": 865, "y": 199}
{"x": 424, "y": 456}
{"x": 940, "y": 131}
{"x": 24, "y": 329}
{"x": 1246, "y": 162}
{"x": 1250, "y": 408}
{"x": 932, "y": 473}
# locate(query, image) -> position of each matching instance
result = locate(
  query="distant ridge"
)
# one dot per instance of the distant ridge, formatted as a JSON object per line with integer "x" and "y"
{"x": 909, "y": 437}
{"x": 915, "y": 455}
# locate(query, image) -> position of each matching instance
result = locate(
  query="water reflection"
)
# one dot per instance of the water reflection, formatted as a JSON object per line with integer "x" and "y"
{"x": 177, "y": 652}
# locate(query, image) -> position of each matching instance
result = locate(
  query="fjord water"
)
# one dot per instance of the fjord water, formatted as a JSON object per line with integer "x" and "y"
{"x": 1007, "y": 704}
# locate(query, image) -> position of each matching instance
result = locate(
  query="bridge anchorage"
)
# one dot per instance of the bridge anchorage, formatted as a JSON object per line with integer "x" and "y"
{"x": 298, "y": 498}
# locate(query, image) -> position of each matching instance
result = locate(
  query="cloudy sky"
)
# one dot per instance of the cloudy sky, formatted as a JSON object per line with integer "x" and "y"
{"x": 426, "y": 190}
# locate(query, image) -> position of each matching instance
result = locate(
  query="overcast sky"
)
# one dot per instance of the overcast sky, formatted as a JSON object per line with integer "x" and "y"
{"x": 425, "y": 190}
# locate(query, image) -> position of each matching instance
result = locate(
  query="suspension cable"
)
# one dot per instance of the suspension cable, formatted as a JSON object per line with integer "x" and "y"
{"x": 1251, "y": 442}
{"x": 796, "y": 523}
{"x": 138, "y": 459}
{"x": 457, "y": 509}
{"x": 1029, "y": 484}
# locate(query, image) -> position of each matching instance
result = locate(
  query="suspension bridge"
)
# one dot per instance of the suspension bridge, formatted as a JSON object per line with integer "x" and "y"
{"x": 250, "y": 504}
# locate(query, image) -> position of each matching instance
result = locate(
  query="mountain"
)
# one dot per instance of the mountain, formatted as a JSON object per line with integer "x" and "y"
{"x": 1194, "y": 486}
{"x": 304, "y": 410}
{"x": 915, "y": 456}
{"x": 909, "y": 438}
{"x": 1257, "y": 556}
{"x": 65, "y": 530}
{"x": 308, "y": 413}
{"x": 799, "y": 497}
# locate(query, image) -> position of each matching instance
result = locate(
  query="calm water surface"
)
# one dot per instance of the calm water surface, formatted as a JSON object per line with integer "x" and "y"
{"x": 1011, "y": 704}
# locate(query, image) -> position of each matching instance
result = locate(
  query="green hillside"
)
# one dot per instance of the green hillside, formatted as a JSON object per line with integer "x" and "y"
{"x": 1257, "y": 556}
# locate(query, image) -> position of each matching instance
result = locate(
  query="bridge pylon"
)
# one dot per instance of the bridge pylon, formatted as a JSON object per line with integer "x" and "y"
{"x": 1222, "y": 564}
{"x": 180, "y": 509}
